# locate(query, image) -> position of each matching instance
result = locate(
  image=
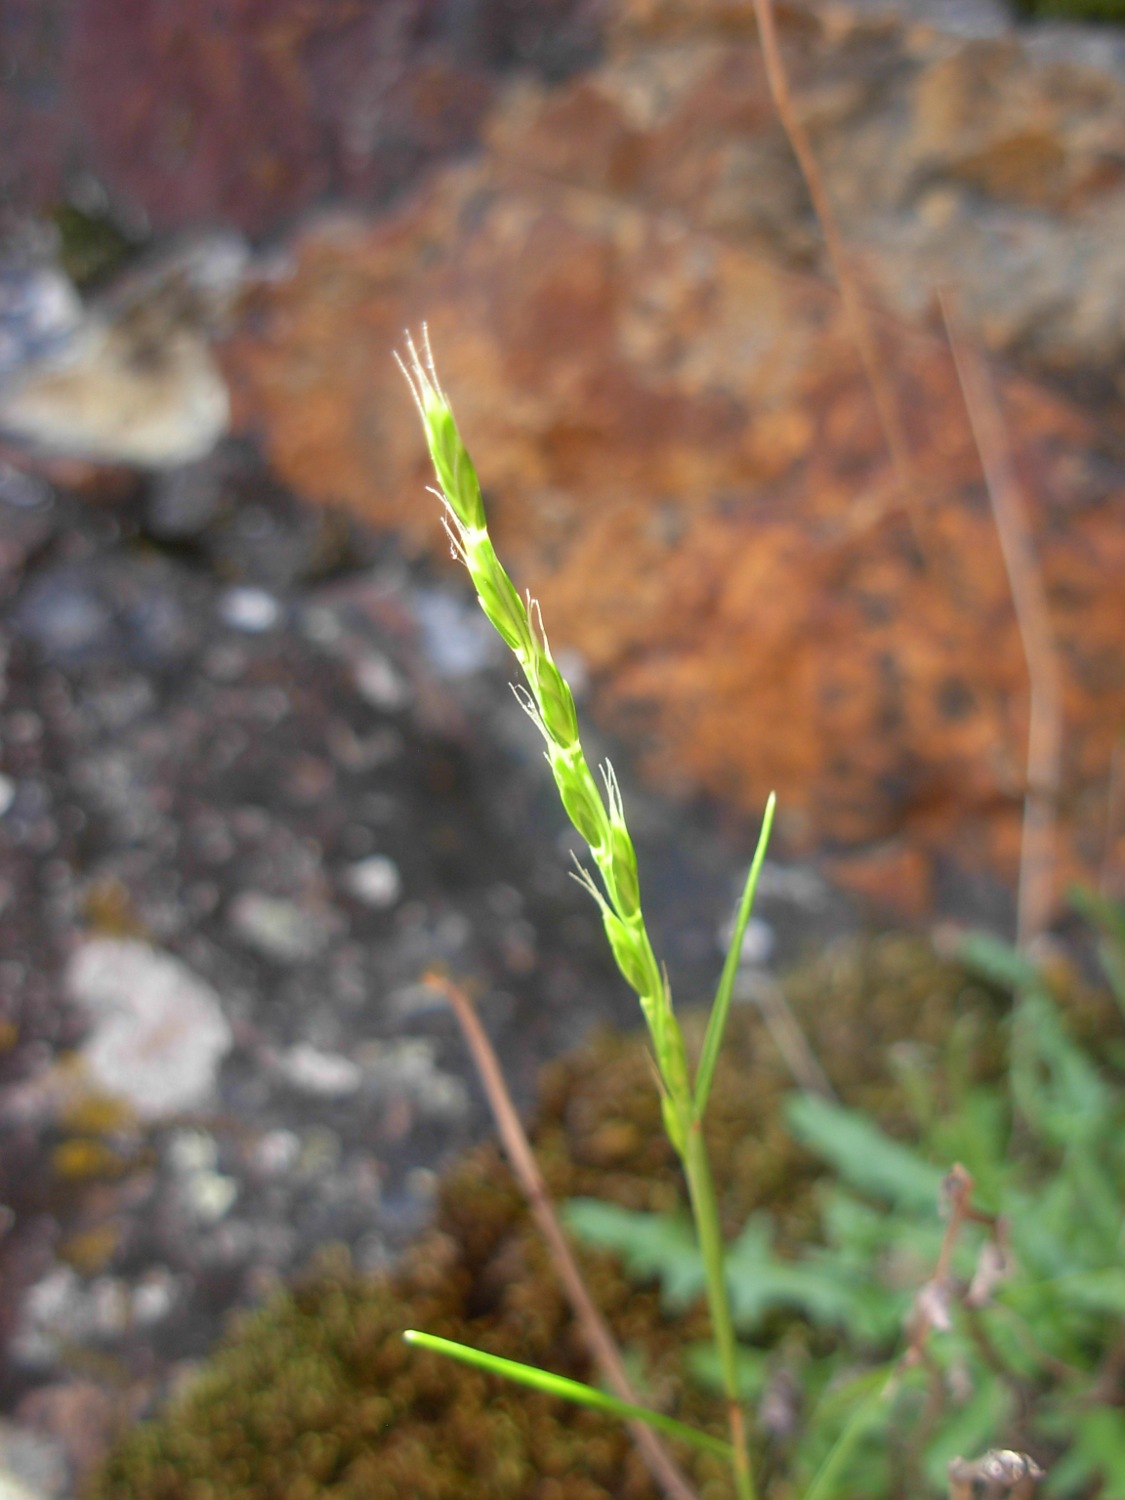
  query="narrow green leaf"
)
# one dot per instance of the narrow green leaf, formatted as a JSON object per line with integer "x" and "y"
{"x": 720, "y": 1010}
{"x": 873, "y": 1386}
{"x": 569, "y": 1390}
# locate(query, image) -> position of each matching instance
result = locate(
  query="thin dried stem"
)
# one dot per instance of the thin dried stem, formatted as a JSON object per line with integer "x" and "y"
{"x": 1036, "y": 898}
{"x": 1111, "y": 877}
{"x": 599, "y": 1340}
{"x": 933, "y": 1303}
{"x": 859, "y": 323}
{"x": 788, "y": 1037}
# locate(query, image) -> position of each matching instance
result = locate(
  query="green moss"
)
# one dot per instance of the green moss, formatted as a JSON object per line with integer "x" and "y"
{"x": 316, "y": 1395}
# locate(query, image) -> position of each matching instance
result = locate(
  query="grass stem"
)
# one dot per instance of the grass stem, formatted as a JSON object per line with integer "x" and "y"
{"x": 600, "y": 820}
{"x": 705, "y": 1211}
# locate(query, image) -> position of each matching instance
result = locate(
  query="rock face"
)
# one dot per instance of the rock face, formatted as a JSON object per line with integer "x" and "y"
{"x": 245, "y": 111}
{"x": 681, "y": 453}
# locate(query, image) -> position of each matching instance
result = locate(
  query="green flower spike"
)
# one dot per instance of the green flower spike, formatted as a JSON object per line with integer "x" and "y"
{"x": 549, "y": 703}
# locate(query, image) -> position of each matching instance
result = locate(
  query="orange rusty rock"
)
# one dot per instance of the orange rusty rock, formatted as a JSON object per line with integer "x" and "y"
{"x": 894, "y": 876}
{"x": 683, "y": 461}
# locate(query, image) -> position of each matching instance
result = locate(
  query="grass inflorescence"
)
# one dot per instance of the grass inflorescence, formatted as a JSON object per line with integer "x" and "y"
{"x": 596, "y": 812}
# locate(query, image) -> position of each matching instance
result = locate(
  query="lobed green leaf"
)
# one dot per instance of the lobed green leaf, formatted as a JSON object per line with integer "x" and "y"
{"x": 863, "y": 1155}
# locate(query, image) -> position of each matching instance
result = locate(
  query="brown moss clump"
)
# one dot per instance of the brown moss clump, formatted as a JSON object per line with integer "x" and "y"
{"x": 316, "y": 1395}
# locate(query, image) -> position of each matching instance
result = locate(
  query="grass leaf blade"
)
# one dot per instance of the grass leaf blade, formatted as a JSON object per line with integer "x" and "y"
{"x": 568, "y": 1390}
{"x": 825, "y": 1483}
{"x": 720, "y": 1010}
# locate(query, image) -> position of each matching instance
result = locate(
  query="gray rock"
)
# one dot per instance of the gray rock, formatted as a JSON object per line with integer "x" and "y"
{"x": 326, "y": 1074}
{"x": 375, "y": 881}
{"x": 102, "y": 403}
{"x": 32, "y": 1466}
{"x": 63, "y": 612}
{"x": 281, "y": 929}
{"x": 39, "y": 312}
{"x": 457, "y": 639}
{"x": 183, "y": 502}
{"x": 159, "y": 1033}
{"x": 408, "y": 1067}
{"x": 134, "y": 380}
{"x": 248, "y": 609}
{"x": 379, "y": 683}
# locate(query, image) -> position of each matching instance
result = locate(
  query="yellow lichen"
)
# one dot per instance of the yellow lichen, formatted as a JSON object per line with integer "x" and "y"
{"x": 91, "y": 1250}
{"x": 81, "y": 1158}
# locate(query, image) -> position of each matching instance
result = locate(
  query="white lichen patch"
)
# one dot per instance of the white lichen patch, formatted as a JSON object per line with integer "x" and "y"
{"x": 159, "y": 1032}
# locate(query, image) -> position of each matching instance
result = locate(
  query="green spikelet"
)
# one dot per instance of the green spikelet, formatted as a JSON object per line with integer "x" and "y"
{"x": 628, "y": 953}
{"x": 623, "y": 876}
{"x": 455, "y": 471}
{"x": 579, "y": 794}
{"x": 506, "y": 611}
{"x": 556, "y": 702}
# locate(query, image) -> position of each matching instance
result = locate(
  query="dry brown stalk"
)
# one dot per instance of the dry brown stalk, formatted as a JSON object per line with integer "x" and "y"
{"x": 933, "y": 1302}
{"x": 1111, "y": 878}
{"x": 788, "y": 1038}
{"x": 599, "y": 1339}
{"x": 1036, "y": 898}
{"x": 859, "y": 324}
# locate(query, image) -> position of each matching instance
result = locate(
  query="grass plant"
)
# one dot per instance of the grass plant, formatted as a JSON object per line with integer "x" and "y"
{"x": 598, "y": 816}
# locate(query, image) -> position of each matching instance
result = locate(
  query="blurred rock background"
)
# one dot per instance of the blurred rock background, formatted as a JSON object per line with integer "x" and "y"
{"x": 260, "y": 763}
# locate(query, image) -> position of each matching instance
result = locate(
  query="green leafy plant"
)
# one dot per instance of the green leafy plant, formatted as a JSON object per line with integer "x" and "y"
{"x": 599, "y": 817}
{"x": 896, "y": 1367}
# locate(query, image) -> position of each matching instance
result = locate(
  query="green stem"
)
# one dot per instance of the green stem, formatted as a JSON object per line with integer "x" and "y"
{"x": 705, "y": 1210}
